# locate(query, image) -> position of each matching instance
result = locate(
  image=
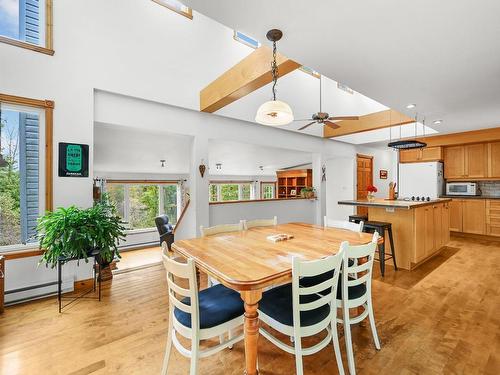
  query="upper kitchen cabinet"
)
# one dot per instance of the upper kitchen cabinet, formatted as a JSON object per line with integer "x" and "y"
{"x": 421, "y": 155}
{"x": 494, "y": 159}
{"x": 466, "y": 161}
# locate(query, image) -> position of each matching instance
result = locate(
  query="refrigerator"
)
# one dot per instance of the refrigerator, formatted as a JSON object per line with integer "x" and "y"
{"x": 421, "y": 180}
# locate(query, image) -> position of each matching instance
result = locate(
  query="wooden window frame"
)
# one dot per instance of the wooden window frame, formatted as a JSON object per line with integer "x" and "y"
{"x": 232, "y": 182}
{"x": 188, "y": 13}
{"x": 48, "y": 48}
{"x": 262, "y": 183}
{"x": 48, "y": 107}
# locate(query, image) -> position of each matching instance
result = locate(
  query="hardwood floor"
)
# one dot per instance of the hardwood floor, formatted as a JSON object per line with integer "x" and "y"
{"x": 139, "y": 258}
{"x": 442, "y": 318}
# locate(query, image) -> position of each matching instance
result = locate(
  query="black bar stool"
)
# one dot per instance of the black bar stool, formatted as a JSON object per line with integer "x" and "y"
{"x": 357, "y": 218}
{"x": 381, "y": 227}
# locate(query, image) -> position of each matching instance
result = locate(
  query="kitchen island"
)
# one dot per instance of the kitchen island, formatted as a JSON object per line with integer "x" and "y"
{"x": 420, "y": 228}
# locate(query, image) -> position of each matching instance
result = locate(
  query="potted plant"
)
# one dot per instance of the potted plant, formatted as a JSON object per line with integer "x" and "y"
{"x": 308, "y": 192}
{"x": 371, "y": 189}
{"x": 77, "y": 233}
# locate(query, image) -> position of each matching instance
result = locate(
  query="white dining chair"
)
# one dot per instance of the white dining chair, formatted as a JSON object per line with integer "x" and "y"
{"x": 247, "y": 224}
{"x": 221, "y": 228}
{"x": 343, "y": 224}
{"x": 197, "y": 315}
{"x": 299, "y": 312}
{"x": 355, "y": 292}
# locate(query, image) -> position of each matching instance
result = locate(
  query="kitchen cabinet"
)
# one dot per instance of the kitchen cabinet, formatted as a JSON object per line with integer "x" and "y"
{"x": 437, "y": 227}
{"x": 431, "y": 230}
{"x": 455, "y": 208}
{"x": 466, "y": 161}
{"x": 474, "y": 216}
{"x": 454, "y": 162}
{"x": 493, "y": 217}
{"x": 421, "y": 155}
{"x": 445, "y": 224}
{"x": 494, "y": 159}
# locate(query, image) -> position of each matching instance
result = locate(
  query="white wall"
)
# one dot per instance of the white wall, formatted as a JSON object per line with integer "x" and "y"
{"x": 300, "y": 210}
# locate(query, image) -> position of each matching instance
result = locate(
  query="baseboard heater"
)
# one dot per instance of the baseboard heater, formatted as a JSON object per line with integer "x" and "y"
{"x": 33, "y": 292}
{"x": 136, "y": 245}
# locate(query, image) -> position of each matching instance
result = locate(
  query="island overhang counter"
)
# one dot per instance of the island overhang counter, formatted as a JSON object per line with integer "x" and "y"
{"x": 420, "y": 228}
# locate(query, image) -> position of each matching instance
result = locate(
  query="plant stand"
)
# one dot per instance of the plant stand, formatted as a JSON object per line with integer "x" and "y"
{"x": 60, "y": 262}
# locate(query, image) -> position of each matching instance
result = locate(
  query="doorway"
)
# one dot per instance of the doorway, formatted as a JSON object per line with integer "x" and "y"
{"x": 364, "y": 176}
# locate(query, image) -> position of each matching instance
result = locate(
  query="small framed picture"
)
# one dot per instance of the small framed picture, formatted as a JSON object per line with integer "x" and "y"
{"x": 293, "y": 192}
{"x": 383, "y": 174}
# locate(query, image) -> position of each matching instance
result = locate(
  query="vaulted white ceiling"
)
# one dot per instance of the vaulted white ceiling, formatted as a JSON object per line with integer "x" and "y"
{"x": 442, "y": 55}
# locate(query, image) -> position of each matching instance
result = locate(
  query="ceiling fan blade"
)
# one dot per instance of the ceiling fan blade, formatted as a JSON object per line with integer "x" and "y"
{"x": 338, "y": 118}
{"x": 306, "y": 126}
{"x": 331, "y": 125}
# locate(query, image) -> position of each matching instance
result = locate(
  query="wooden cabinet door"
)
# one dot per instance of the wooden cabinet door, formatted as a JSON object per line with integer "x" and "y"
{"x": 494, "y": 159}
{"x": 437, "y": 226}
{"x": 429, "y": 230}
{"x": 476, "y": 160}
{"x": 474, "y": 216}
{"x": 493, "y": 217}
{"x": 445, "y": 224}
{"x": 454, "y": 162}
{"x": 409, "y": 156}
{"x": 431, "y": 154}
{"x": 456, "y": 213}
{"x": 420, "y": 234}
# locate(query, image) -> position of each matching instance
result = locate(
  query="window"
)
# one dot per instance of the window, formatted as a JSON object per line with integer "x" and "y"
{"x": 139, "y": 204}
{"x": 245, "y": 39}
{"x": 25, "y": 167}
{"x": 27, "y": 23}
{"x": 268, "y": 190}
{"x": 177, "y": 7}
{"x": 230, "y": 191}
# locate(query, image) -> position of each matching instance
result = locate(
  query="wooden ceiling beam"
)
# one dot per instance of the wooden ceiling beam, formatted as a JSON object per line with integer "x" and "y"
{"x": 372, "y": 121}
{"x": 250, "y": 74}
{"x": 473, "y": 136}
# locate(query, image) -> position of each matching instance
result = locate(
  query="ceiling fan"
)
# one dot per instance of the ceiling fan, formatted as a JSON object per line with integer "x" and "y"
{"x": 323, "y": 117}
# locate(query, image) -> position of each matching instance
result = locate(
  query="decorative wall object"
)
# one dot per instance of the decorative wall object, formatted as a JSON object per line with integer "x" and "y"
{"x": 383, "y": 174}
{"x": 73, "y": 160}
{"x": 323, "y": 173}
{"x": 202, "y": 168}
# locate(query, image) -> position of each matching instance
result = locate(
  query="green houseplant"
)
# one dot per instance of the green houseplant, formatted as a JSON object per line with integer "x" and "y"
{"x": 308, "y": 192}
{"x": 74, "y": 232}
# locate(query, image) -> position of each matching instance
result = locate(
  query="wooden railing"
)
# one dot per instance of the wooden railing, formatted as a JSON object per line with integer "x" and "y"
{"x": 182, "y": 215}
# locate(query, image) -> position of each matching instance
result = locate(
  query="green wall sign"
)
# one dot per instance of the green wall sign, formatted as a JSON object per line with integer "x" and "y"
{"x": 73, "y": 160}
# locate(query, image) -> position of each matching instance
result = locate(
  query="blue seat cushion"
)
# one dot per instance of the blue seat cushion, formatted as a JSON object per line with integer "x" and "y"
{"x": 277, "y": 304}
{"x": 354, "y": 291}
{"x": 217, "y": 304}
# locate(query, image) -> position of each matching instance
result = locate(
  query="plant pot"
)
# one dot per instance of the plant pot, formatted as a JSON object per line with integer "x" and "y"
{"x": 104, "y": 268}
{"x": 370, "y": 197}
{"x": 309, "y": 194}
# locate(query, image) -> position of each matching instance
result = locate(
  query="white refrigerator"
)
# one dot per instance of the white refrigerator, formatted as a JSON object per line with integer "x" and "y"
{"x": 421, "y": 180}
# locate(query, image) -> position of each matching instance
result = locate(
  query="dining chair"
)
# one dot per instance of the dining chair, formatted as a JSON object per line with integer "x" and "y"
{"x": 221, "y": 228}
{"x": 247, "y": 224}
{"x": 299, "y": 312}
{"x": 342, "y": 224}
{"x": 197, "y": 315}
{"x": 357, "y": 292}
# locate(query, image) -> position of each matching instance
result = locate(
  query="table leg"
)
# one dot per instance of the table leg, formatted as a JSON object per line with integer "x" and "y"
{"x": 251, "y": 299}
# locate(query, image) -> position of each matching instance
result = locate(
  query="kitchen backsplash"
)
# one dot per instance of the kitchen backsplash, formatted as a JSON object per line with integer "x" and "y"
{"x": 490, "y": 188}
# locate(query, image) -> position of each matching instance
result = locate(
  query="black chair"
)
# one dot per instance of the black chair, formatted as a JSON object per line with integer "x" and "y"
{"x": 165, "y": 230}
{"x": 358, "y": 218}
{"x": 381, "y": 227}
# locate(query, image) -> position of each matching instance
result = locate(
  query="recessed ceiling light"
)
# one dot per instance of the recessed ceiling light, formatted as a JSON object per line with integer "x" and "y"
{"x": 411, "y": 106}
{"x": 437, "y": 122}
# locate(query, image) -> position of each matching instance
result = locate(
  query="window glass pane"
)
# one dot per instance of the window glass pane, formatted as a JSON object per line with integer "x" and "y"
{"x": 116, "y": 195}
{"x": 245, "y": 192}
{"x": 212, "y": 193}
{"x": 23, "y": 20}
{"x": 143, "y": 206}
{"x": 229, "y": 192}
{"x": 19, "y": 176}
{"x": 170, "y": 202}
{"x": 268, "y": 191}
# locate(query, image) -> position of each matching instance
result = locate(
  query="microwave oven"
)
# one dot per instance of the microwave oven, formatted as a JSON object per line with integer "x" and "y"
{"x": 462, "y": 188}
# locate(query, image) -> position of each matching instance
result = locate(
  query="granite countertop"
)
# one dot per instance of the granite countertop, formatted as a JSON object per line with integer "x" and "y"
{"x": 386, "y": 203}
{"x": 469, "y": 197}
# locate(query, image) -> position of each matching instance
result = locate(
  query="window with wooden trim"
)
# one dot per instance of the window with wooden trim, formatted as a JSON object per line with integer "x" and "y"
{"x": 27, "y": 24}
{"x": 268, "y": 190}
{"x": 177, "y": 7}
{"x": 25, "y": 168}
{"x": 138, "y": 204}
{"x": 230, "y": 191}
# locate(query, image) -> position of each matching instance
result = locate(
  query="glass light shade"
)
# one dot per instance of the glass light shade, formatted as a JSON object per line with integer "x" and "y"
{"x": 274, "y": 113}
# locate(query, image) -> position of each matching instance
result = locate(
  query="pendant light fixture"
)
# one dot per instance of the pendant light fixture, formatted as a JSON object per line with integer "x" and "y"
{"x": 274, "y": 112}
{"x": 407, "y": 144}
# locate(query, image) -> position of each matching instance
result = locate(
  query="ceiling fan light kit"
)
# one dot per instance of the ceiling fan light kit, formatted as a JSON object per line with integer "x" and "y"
{"x": 274, "y": 112}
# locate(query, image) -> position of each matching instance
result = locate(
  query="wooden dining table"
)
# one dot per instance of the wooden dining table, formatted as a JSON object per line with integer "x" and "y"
{"x": 247, "y": 262}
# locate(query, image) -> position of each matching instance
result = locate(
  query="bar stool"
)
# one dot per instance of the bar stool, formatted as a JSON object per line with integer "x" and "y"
{"x": 381, "y": 227}
{"x": 358, "y": 218}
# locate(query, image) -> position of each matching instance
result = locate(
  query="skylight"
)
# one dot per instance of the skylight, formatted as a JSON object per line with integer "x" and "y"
{"x": 245, "y": 39}
{"x": 310, "y": 71}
